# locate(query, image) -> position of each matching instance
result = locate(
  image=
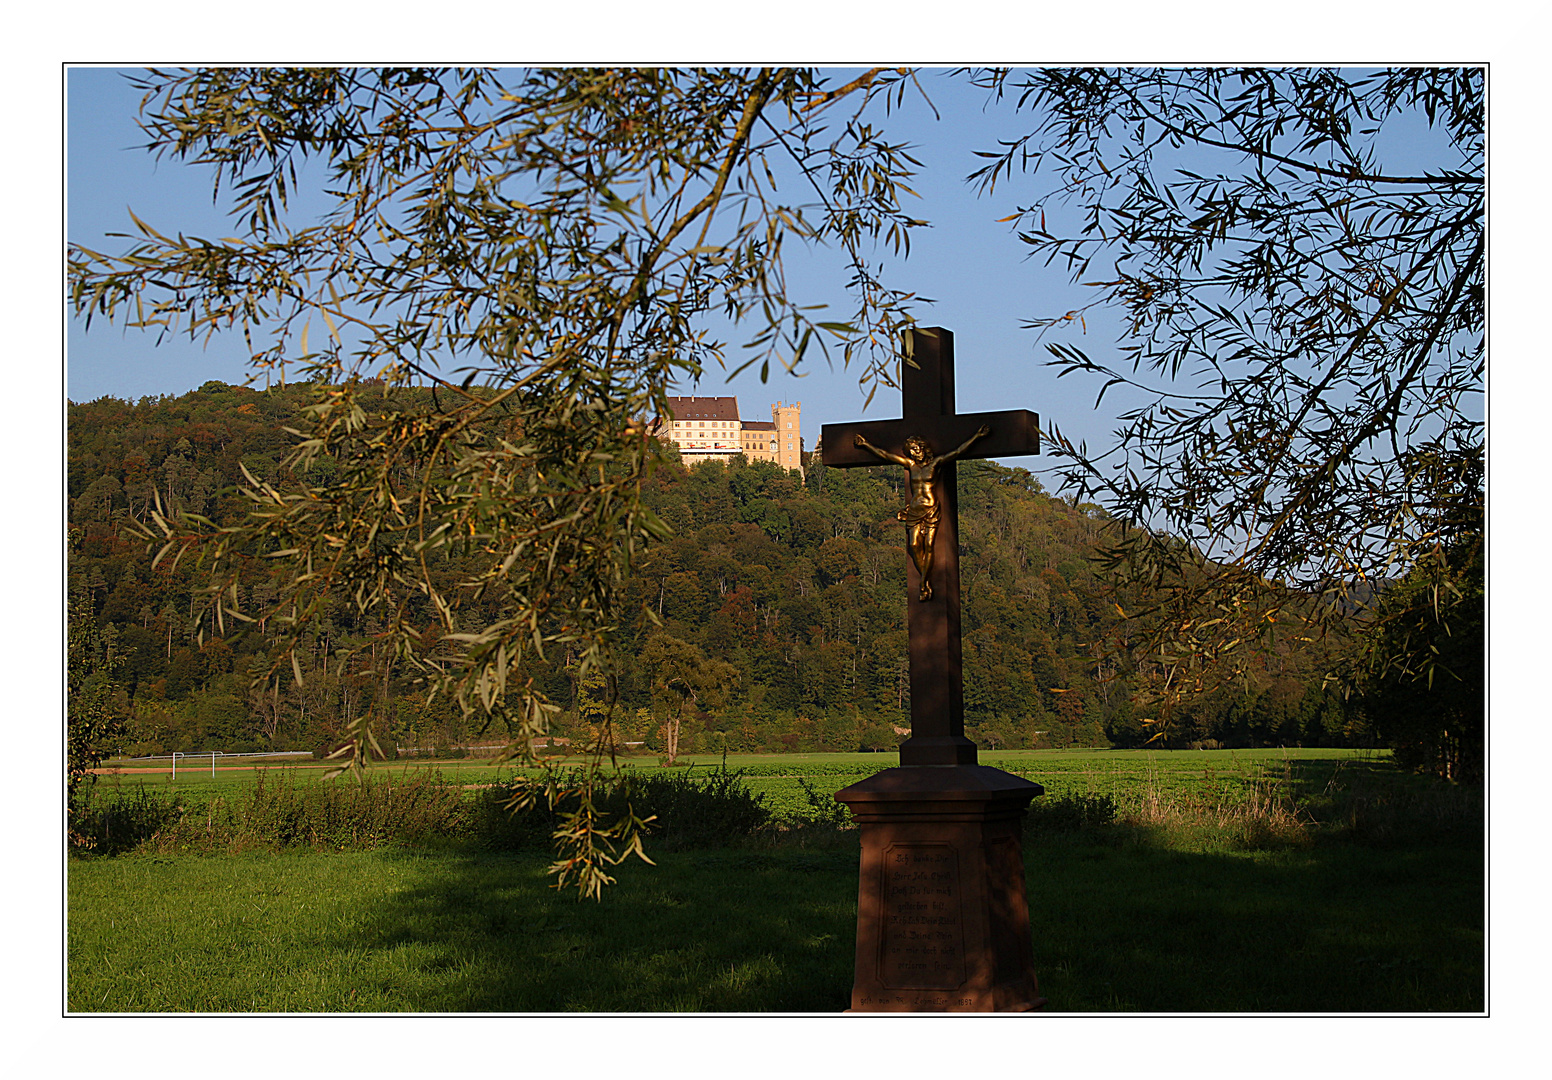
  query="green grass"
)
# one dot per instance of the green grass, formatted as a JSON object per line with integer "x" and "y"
{"x": 391, "y": 931}
{"x": 1334, "y": 928}
{"x": 1227, "y": 881}
{"x": 1122, "y": 921}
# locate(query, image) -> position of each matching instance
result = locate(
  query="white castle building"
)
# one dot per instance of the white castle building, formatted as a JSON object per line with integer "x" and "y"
{"x": 707, "y": 428}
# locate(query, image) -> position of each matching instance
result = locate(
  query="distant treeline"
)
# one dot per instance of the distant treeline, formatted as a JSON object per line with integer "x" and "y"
{"x": 787, "y": 589}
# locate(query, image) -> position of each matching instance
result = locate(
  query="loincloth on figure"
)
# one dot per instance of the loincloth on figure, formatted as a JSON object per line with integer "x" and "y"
{"x": 919, "y": 515}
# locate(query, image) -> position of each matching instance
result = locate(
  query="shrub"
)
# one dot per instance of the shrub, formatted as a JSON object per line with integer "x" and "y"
{"x": 1372, "y": 808}
{"x": 124, "y": 822}
{"x": 281, "y": 813}
{"x": 1070, "y": 813}
{"x": 822, "y": 808}
{"x": 709, "y": 809}
{"x": 712, "y": 809}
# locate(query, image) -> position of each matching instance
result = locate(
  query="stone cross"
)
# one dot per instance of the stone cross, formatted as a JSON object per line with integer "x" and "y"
{"x": 941, "y": 437}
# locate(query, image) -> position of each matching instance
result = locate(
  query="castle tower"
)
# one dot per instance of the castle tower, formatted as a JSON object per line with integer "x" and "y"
{"x": 709, "y": 429}
{"x": 788, "y": 418}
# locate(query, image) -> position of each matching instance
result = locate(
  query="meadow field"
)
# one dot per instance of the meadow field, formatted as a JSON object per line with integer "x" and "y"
{"x": 1190, "y": 881}
{"x": 1136, "y": 779}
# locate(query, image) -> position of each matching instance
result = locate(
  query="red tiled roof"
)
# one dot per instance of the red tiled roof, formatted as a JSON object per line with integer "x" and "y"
{"x": 704, "y": 408}
{"x": 759, "y": 425}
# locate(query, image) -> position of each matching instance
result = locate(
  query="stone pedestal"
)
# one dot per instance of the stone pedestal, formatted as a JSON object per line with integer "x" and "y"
{"x": 942, "y": 920}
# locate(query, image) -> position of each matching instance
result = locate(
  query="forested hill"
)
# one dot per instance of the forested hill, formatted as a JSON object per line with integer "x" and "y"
{"x": 796, "y": 582}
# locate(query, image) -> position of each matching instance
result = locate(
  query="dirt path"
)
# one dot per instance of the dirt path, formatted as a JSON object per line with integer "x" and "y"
{"x": 192, "y": 762}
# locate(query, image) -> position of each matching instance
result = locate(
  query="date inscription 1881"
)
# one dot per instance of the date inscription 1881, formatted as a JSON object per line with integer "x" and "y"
{"x": 923, "y": 943}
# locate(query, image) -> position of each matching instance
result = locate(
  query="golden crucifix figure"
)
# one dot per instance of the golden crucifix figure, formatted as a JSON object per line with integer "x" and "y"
{"x": 923, "y": 512}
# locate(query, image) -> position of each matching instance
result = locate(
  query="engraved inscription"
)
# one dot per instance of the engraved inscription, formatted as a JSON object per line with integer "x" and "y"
{"x": 917, "y": 1001}
{"x": 923, "y": 940}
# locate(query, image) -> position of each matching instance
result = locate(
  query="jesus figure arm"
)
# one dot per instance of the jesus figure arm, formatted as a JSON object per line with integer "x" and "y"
{"x": 983, "y": 431}
{"x": 885, "y": 454}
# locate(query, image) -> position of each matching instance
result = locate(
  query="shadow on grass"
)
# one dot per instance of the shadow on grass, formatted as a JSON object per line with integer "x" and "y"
{"x": 1347, "y": 886}
{"x": 1123, "y": 920}
{"x": 702, "y": 931}
{"x": 1374, "y": 802}
{"x": 1379, "y": 908}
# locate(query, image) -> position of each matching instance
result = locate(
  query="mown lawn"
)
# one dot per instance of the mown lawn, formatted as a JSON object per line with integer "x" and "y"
{"x": 1125, "y": 918}
{"x": 391, "y": 931}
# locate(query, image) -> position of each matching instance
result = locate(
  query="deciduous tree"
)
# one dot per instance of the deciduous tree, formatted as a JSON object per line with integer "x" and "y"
{"x": 684, "y": 680}
{"x": 1298, "y": 256}
{"x": 540, "y": 247}
{"x": 95, "y": 717}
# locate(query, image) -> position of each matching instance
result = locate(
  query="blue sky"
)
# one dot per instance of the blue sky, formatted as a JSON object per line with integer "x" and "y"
{"x": 969, "y": 263}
